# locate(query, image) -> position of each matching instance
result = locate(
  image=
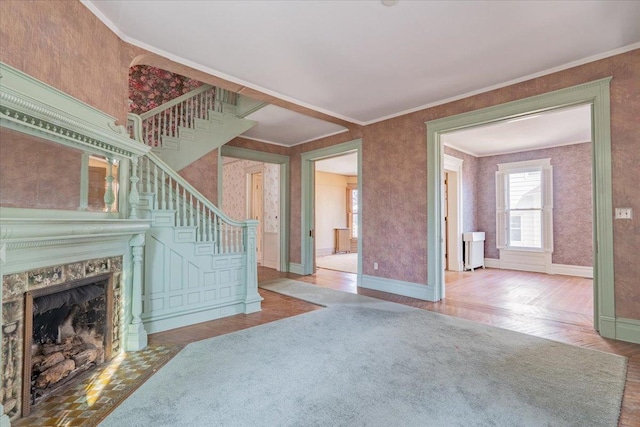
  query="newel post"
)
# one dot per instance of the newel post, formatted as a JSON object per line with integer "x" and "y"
{"x": 134, "y": 196}
{"x": 252, "y": 300}
{"x": 137, "y": 338}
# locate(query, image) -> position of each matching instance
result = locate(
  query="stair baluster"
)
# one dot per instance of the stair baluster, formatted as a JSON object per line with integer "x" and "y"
{"x": 184, "y": 207}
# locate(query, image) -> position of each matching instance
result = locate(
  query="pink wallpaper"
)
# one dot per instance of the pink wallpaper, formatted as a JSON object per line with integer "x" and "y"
{"x": 203, "y": 175}
{"x": 572, "y": 211}
{"x": 38, "y": 174}
{"x": 234, "y": 192}
{"x": 63, "y": 44}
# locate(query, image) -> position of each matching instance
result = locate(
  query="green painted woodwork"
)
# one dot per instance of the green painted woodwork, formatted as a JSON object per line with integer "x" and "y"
{"x": 37, "y": 109}
{"x": 284, "y": 162}
{"x": 308, "y": 197}
{"x": 398, "y": 287}
{"x": 210, "y": 135}
{"x": 246, "y": 106}
{"x": 595, "y": 93}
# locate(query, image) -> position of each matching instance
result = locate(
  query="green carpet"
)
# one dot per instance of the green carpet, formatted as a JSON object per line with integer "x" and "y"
{"x": 366, "y": 362}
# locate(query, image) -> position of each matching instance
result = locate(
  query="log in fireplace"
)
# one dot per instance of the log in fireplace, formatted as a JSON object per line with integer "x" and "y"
{"x": 67, "y": 333}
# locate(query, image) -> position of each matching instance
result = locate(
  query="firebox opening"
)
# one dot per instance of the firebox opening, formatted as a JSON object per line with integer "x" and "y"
{"x": 68, "y": 336}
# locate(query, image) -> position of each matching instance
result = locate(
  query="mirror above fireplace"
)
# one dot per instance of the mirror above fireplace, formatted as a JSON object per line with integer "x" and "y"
{"x": 67, "y": 219}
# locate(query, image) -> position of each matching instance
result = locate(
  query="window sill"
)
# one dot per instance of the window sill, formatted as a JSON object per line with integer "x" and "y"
{"x": 534, "y": 250}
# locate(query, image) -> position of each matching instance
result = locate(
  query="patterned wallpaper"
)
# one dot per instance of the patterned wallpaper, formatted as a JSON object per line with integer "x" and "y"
{"x": 45, "y": 185}
{"x": 271, "y": 188}
{"x": 572, "y": 211}
{"x": 234, "y": 201}
{"x": 150, "y": 87}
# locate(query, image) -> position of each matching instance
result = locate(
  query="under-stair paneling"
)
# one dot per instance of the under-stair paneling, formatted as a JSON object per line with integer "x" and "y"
{"x": 184, "y": 286}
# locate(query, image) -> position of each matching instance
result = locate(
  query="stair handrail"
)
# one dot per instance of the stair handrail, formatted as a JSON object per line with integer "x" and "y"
{"x": 175, "y": 101}
{"x": 134, "y": 126}
{"x": 195, "y": 193}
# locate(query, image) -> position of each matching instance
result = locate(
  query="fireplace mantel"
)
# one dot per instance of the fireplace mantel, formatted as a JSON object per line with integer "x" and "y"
{"x": 33, "y": 238}
{"x": 40, "y": 248}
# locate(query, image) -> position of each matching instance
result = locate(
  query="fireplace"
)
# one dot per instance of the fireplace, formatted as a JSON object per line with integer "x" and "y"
{"x": 58, "y": 323}
{"x": 67, "y": 333}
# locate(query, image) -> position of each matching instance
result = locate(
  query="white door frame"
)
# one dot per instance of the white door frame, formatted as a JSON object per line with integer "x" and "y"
{"x": 454, "y": 236}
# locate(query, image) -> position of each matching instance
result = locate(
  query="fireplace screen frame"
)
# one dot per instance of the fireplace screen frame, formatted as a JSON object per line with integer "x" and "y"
{"x": 28, "y": 326}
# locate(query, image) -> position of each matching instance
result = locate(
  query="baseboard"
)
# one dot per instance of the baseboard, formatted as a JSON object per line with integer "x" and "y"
{"x": 491, "y": 263}
{"x": 324, "y": 251}
{"x": 296, "y": 268}
{"x": 178, "y": 320}
{"x": 564, "y": 269}
{"x": 628, "y": 330}
{"x": 607, "y": 327}
{"x": 572, "y": 270}
{"x": 398, "y": 287}
{"x": 270, "y": 263}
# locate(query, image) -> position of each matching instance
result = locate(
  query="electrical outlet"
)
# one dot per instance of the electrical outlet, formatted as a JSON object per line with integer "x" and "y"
{"x": 624, "y": 213}
{"x": 375, "y": 265}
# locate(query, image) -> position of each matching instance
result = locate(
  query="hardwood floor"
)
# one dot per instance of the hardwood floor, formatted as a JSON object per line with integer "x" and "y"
{"x": 553, "y": 307}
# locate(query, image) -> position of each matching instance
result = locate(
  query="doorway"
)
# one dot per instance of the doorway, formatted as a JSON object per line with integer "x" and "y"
{"x": 255, "y": 206}
{"x": 595, "y": 94}
{"x": 336, "y": 213}
{"x": 308, "y": 217}
{"x": 237, "y": 198}
{"x": 546, "y": 212}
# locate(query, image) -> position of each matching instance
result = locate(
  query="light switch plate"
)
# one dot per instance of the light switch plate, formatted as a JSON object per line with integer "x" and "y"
{"x": 624, "y": 213}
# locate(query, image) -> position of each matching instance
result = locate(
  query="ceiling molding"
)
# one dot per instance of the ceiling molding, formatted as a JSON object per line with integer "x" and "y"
{"x": 247, "y": 89}
{"x": 559, "y": 68}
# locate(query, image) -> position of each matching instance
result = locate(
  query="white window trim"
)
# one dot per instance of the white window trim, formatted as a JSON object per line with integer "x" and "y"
{"x": 515, "y": 257}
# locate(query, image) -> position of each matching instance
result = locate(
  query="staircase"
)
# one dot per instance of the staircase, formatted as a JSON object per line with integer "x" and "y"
{"x": 192, "y": 125}
{"x": 200, "y": 265}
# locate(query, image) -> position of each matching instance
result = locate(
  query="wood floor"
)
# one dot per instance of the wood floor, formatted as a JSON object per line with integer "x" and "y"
{"x": 554, "y": 307}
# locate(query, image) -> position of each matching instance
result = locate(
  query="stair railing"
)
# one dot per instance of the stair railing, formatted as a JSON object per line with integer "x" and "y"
{"x": 165, "y": 119}
{"x": 183, "y": 111}
{"x": 191, "y": 208}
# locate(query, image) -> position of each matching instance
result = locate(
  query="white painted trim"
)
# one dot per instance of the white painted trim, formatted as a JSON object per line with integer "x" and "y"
{"x": 398, "y": 287}
{"x": 524, "y": 166}
{"x": 500, "y": 153}
{"x": 572, "y": 270}
{"x": 296, "y": 268}
{"x": 539, "y": 262}
{"x": 491, "y": 263}
{"x": 628, "y": 330}
{"x": 563, "y": 269}
{"x": 573, "y": 64}
{"x": 454, "y": 236}
{"x": 103, "y": 18}
{"x": 266, "y": 141}
{"x": 324, "y": 251}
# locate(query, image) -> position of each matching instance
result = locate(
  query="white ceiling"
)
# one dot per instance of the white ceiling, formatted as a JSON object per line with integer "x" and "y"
{"x": 286, "y": 127}
{"x": 362, "y": 61}
{"x": 346, "y": 164}
{"x": 550, "y": 129}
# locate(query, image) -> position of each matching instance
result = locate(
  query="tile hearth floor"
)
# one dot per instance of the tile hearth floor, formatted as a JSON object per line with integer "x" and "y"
{"x": 95, "y": 396}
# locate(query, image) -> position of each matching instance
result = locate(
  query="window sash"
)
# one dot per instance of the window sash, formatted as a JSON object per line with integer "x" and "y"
{"x": 536, "y": 183}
